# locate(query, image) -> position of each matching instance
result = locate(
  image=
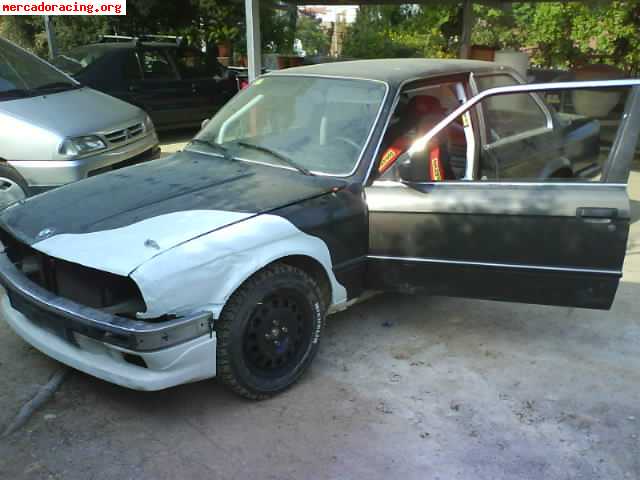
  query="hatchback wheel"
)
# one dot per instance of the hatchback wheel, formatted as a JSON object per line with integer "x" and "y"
{"x": 269, "y": 331}
{"x": 12, "y": 186}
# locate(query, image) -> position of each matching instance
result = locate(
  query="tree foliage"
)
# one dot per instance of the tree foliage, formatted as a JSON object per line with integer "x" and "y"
{"x": 384, "y": 31}
{"x": 557, "y": 34}
{"x": 315, "y": 41}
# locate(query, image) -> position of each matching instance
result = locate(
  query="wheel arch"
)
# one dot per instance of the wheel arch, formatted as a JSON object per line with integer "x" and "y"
{"x": 213, "y": 260}
{"x": 312, "y": 267}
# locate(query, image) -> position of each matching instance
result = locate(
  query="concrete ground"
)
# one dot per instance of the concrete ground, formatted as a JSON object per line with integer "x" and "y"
{"x": 403, "y": 387}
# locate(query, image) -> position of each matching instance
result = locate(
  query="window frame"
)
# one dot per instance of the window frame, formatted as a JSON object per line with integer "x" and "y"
{"x": 132, "y": 54}
{"x": 486, "y": 145}
{"x": 609, "y": 169}
{"x": 176, "y": 74}
{"x": 464, "y": 79}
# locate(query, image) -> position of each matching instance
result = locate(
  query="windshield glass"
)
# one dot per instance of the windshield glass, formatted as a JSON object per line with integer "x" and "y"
{"x": 22, "y": 74}
{"x": 76, "y": 60}
{"x": 313, "y": 124}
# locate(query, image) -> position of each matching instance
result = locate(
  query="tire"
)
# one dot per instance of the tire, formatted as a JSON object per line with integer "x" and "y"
{"x": 269, "y": 332}
{"x": 12, "y": 186}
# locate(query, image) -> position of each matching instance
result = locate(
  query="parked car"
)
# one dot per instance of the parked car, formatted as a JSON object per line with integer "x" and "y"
{"x": 225, "y": 259}
{"x": 178, "y": 86}
{"x": 54, "y": 131}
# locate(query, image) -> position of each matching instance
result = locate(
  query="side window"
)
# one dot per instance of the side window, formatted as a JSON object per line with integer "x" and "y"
{"x": 575, "y": 148}
{"x": 194, "y": 64}
{"x": 132, "y": 70}
{"x": 418, "y": 111}
{"x": 156, "y": 65}
{"x": 510, "y": 115}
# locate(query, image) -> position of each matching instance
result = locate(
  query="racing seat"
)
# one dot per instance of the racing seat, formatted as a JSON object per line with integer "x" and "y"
{"x": 422, "y": 113}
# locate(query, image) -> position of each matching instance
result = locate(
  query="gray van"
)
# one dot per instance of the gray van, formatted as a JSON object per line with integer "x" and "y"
{"x": 54, "y": 131}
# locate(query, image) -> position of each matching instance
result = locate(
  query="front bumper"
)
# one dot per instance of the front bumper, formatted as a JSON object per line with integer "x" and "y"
{"x": 42, "y": 174}
{"x": 132, "y": 353}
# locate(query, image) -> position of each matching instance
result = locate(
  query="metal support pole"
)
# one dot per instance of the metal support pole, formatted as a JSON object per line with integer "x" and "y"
{"x": 51, "y": 36}
{"x": 467, "y": 26}
{"x": 254, "y": 50}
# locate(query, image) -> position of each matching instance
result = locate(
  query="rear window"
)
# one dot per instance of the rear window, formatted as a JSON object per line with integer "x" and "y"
{"x": 76, "y": 60}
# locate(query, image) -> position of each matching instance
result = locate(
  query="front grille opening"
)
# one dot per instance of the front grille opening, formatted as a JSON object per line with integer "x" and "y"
{"x": 93, "y": 288}
{"x": 136, "y": 360}
{"x": 119, "y": 136}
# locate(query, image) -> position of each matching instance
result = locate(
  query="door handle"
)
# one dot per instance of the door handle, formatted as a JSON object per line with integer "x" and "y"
{"x": 597, "y": 213}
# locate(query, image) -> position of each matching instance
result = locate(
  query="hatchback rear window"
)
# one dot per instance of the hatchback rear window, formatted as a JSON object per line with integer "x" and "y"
{"x": 76, "y": 60}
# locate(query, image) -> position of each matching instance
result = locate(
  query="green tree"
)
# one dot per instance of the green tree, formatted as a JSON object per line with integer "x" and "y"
{"x": 608, "y": 32}
{"x": 314, "y": 39}
{"x": 402, "y": 31}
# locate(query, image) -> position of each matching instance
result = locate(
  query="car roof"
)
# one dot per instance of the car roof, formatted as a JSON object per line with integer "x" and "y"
{"x": 395, "y": 71}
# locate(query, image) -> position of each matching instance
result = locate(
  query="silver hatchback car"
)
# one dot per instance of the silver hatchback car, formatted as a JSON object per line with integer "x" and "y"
{"x": 54, "y": 131}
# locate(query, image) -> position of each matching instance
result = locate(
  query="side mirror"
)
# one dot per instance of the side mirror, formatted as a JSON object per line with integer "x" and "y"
{"x": 204, "y": 123}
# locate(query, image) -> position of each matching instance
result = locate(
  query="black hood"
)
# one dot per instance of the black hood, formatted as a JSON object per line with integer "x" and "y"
{"x": 185, "y": 181}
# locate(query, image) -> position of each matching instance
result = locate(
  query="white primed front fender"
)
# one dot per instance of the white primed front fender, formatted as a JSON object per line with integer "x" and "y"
{"x": 205, "y": 271}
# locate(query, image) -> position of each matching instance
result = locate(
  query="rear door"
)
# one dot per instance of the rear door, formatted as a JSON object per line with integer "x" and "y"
{"x": 495, "y": 234}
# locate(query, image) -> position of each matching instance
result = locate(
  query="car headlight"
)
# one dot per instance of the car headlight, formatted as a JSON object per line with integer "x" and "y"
{"x": 82, "y": 145}
{"x": 148, "y": 124}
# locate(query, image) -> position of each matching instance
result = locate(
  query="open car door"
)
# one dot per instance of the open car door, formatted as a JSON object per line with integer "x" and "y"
{"x": 527, "y": 228}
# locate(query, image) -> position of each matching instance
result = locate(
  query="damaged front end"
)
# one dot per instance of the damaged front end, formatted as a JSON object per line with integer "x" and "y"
{"x": 84, "y": 308}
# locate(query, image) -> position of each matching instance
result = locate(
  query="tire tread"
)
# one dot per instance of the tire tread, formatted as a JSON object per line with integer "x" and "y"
{"x": 232, "y": 310}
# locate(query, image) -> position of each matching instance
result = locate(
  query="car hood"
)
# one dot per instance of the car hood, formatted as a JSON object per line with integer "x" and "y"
{"x": 119, "y": 220}
{"x": 84, "y": 110}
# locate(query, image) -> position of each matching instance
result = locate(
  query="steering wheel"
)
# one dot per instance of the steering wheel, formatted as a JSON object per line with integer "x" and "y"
{"x": 350, "y": 142}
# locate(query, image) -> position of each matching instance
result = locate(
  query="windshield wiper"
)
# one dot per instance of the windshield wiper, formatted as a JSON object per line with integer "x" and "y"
{"x": 280, "y": 156}
{"x": 215, "y": 146}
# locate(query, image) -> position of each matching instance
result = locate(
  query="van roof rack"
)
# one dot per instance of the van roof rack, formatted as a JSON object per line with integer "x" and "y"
{"x": 115, "y": 38}
{"x": 141, "y": 38}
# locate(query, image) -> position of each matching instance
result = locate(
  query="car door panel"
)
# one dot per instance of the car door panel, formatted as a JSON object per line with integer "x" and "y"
{"x": 556, "y": 243}
{"x": 460, "y": 237}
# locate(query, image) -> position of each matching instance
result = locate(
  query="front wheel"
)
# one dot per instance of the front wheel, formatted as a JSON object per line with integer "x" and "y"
{"x": 12, "y": 186}
{"x": 269, "y": 331}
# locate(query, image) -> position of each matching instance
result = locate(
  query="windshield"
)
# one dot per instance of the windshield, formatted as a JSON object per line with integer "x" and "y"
{"x": 76, "y": 60}
{"x": 317, "y": 125}
{"x": 22, "y": 74}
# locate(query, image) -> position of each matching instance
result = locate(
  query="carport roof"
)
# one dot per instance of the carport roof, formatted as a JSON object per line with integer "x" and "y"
{"x": 392, "y": 71}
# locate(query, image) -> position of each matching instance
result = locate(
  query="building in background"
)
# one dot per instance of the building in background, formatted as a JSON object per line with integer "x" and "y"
{"x": 335, "y": 21}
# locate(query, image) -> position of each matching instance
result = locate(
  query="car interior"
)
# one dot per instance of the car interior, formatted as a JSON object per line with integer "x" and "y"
{"x": 417, "y": 112}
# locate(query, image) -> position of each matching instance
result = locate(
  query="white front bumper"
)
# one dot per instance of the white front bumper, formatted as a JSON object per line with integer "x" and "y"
{"x": 187, "y": 362}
